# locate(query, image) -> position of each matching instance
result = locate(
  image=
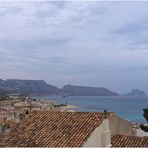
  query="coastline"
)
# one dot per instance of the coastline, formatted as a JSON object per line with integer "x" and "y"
{"x": 119, "y": 104}
{"x": 70, "y": 107}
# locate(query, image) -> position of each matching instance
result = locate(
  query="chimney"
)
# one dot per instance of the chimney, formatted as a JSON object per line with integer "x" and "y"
{"x": 27, "y": 114}
{"x": 106, "y": 133}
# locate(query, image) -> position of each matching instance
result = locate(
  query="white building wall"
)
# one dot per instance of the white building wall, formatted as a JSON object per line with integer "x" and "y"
{"x": 106, "y": 134}
{"x": 141, "y": 133}
{"x": 95, "y": 139}
{"x": 101, "y": 136}
{"x": 120, "y": 126}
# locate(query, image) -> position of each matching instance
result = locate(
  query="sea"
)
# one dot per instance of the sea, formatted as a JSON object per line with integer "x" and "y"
{"x": 128, "y": 107}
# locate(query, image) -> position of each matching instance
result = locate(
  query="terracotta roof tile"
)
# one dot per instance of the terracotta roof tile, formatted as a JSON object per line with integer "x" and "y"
{"x": 5, "y": 102}
{"x": 53, "y": 129}
{"x": 129, "y": 141}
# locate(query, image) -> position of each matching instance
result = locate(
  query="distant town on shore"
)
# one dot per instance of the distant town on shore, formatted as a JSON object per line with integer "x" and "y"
{"x": 40, "y": 87}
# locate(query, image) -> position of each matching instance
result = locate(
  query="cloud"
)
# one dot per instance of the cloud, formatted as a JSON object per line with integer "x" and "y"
{"x": 6, "y": 10}
{"x": 87, "y": 43}
{"x": 136, "y": 34}
{"x": 130, "y": 28}
{"x": 36, "y": 43}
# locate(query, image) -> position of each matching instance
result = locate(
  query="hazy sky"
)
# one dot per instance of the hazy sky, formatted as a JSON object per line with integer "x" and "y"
{"x": 80, "y": 43}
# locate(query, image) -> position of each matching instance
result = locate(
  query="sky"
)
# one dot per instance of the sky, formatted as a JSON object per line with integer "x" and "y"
{"x": 91, "y": 43}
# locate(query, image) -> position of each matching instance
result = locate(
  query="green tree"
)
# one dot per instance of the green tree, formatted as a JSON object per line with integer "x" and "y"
{"x": 145, "y": 115}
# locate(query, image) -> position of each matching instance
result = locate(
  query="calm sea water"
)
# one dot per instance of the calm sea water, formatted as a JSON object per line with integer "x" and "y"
{"x": 130, "y": 108}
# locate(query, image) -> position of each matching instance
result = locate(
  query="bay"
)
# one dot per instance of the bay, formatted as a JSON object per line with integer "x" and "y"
{"x": 128, "y": 107}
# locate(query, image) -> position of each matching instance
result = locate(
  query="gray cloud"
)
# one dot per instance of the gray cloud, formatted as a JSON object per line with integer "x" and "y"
{"x": 86, "y": 43}
{"x": 6, "y": 9}
{"x": 39, "y": 43}
{"x": 130, "y": 28}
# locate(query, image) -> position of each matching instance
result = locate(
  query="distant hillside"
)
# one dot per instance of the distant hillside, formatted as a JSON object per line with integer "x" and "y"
{"x": 86, "y": 91}
{"x": 30, "y": 87}
{"x": 40, "y": 87}
{"x": 136, "y": 92}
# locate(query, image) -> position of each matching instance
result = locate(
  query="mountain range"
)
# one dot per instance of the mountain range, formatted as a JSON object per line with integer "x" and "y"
{"x": 40, "y": 87}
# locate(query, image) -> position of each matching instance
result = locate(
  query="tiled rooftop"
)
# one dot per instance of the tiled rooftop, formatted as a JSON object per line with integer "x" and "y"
{"x": 53, "y": 129}
{"x": 129, "y": 141}
{"x": 5, "y": 102}
{"x": 11, "y": 124}
{"x": 1, "y": 121}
